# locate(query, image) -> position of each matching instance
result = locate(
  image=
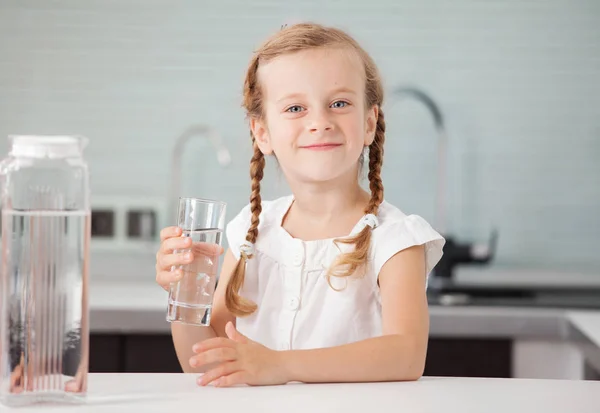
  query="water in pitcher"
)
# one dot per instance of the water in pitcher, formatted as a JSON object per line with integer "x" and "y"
{"x": 44, "y": 310}
{"x": 190, "y": 299}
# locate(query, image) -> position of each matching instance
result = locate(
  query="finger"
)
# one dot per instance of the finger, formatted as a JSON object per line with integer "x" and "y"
{"x": 75, "y": 385}
{"x": 175, "y": 243}
{"x": 206, "y": 248}
{"x": 16, "y": 379}
{"x": 238, "y": 377}
{"x": 165, "y": 278}
{"x": 169, "y": 232}
{"x": 235, "y": 335}
{"x": 167, "y": 261}
{"x": 215, "y": 355}
{"x": 213, "y": 343}
{"x": 17, "y": 388}
{"x": 72, "y": 386}
{"x": 223, "y": 369}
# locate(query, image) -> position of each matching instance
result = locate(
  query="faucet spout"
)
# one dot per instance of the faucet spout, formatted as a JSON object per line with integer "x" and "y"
{"x": 436, "y": 114}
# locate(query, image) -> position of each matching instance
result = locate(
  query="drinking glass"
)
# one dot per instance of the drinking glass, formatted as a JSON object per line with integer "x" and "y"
{"x": 191, "y": 298}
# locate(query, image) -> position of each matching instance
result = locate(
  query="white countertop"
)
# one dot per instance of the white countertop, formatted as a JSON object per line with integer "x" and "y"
{"x": 180, "y": 393}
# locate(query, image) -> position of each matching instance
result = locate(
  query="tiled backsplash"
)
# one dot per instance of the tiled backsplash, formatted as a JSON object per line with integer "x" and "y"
{"x": 518, "y": 83}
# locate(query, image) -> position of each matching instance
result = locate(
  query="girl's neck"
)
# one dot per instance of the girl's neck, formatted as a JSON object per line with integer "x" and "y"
{"x": 323, "y": 205}
{"x": 325, "y": 209}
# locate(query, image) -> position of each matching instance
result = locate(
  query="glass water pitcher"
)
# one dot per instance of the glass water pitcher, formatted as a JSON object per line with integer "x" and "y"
{"x": 44, "y": 320}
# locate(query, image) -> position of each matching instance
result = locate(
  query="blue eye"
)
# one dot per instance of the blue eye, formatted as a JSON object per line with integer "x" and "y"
{"x": 294, "y": 109}
{"x": 337, "y": 106}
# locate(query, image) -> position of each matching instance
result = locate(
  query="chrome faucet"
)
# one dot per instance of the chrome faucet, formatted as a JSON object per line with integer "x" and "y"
{"x": 455, "y": 252}
{"x": 223, "y": 157}
{"x": 436, "y": 113}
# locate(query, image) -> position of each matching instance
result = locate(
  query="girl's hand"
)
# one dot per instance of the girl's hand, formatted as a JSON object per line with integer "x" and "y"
{"x": 239, "y": 360}
{"x": 200, "y": 255}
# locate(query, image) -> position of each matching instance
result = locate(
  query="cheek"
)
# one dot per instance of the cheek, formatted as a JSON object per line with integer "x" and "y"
{"x": 355, "y": 128}
{"x": 283, "y": 133}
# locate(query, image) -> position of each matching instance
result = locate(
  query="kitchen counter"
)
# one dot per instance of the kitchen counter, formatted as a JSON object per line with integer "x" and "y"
{"x": 139, "y": 306}
{"x": 179, "y": 392}
{"x": 131, "y": 306}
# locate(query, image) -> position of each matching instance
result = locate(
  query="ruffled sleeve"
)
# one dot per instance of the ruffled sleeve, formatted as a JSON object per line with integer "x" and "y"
{"x": 397, "y": 236}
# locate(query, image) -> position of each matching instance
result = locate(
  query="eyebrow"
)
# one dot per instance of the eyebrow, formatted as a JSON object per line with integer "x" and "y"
{"x": 342, "y": 89}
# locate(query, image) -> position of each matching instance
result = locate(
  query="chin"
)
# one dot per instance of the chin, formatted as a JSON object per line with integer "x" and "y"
{"x": 323, "y": 175}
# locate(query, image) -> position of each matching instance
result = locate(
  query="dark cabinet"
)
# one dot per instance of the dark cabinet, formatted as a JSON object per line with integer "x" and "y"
{"x": 469, "y": 357}
{"x": 105, "y": 353}
{"x": 133, "y": 353}
{"x": 150, "y": 354}
{"x": 155, "y": 353}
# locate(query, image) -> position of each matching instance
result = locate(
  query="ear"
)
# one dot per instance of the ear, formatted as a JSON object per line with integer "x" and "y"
{"x": 261, "y": 135}
{"x": 371, "y": 123}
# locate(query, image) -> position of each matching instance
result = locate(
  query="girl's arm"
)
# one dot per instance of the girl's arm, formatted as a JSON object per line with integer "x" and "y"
{"x": 185, "y": 335}
{"x": 397, "y": 355}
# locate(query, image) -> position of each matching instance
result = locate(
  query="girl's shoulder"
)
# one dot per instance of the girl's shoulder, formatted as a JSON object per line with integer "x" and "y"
{"x": 390, "y": 217}
{"x": 397, "y": 231}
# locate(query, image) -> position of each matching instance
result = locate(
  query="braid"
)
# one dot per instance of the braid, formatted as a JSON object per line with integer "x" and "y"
{"x": 257, "y": 166}
{"x": 236, "y": 304}
{"x": 375, "y": 163}
{"x": 347, "y": 263}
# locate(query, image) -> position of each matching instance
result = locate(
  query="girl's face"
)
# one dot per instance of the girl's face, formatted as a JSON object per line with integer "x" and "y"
{"x": 315, "y": 117}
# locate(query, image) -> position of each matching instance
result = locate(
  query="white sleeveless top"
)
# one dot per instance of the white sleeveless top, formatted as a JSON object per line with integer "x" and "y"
{"x": 297, "y": 309}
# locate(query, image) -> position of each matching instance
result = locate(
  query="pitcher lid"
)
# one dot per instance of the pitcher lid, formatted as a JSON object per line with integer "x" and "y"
{"x": 49, "y": 146}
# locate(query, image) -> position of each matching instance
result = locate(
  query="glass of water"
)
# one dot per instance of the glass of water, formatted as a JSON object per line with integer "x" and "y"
{"x": 191, "y": 298}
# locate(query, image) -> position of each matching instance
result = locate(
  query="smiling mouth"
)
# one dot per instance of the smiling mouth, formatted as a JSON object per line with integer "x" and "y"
{"x": 322, "y": 146}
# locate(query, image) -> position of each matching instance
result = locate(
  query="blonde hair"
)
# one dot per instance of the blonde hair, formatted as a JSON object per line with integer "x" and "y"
{"x": 292, "y": 39}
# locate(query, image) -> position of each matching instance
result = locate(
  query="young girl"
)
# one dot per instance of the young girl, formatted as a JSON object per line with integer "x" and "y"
{"x": 328, "y": 284}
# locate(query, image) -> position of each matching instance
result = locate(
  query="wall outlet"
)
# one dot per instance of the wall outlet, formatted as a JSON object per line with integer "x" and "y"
{"x": 141, "y": 223}
{"x": 135, "y": 222}
{"x": 103, "y": 223}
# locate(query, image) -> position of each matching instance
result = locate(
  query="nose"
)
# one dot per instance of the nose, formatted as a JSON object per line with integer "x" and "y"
{"x": 320, "y": 122}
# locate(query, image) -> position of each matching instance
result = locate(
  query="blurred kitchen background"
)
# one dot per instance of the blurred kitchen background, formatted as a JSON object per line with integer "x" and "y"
{"x": 501, "y": 99}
